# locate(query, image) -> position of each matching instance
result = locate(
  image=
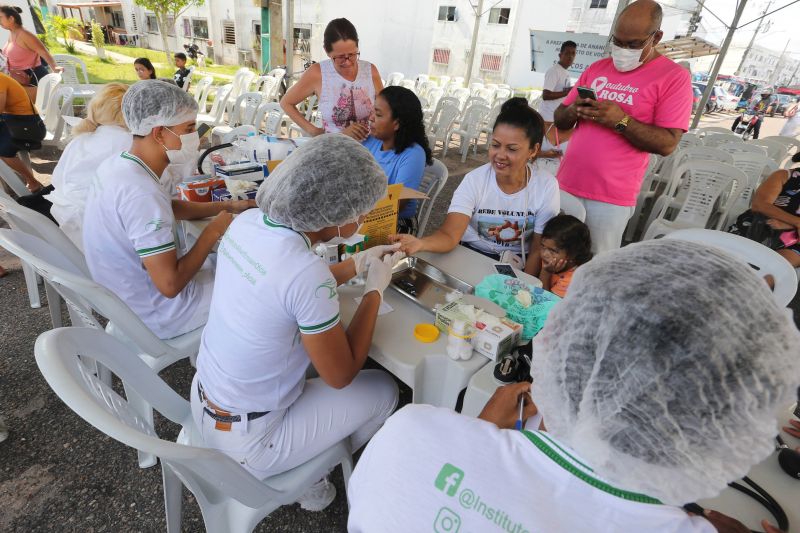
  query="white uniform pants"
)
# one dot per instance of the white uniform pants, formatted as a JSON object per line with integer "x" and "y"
{"x": 606, "y": 223}
{"x": 320, "y": 417}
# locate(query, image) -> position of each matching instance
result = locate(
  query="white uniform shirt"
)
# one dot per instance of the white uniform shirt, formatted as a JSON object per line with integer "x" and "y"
{"x": 496, "y": 218}
{"x": 75, "y": 171}
{"x": 556, "y": 79}
{"x": 129, "y": 217}
{"x": 269, "y": 288}
{"x": 431, "y": 469}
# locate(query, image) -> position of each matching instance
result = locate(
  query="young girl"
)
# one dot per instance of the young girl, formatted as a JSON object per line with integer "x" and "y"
{"x": 566, "y": 245}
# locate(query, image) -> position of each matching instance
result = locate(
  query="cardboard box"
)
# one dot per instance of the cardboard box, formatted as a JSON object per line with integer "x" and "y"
{"x": 223, "y": 195}
{"x": 447, "y": 314}
{"x": 496, "y": 341}
{"x": 199, "y": 190}
{"x": 382, "y": 220}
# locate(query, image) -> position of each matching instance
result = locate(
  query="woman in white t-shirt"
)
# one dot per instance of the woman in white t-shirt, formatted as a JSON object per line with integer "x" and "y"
{"x": 654, "y": 395}
{"x": 102, "y": 134}
{"x": 275, "y": 312}
{"x": 501, "y": 208}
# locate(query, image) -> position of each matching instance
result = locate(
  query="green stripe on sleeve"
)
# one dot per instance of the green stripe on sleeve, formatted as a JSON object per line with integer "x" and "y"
{"x": 320, "y": 327}
{"x": 146, "y": 252}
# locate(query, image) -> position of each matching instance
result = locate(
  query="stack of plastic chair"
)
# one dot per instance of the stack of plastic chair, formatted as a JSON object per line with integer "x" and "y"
{"x": 475, "y": 100}
{"x": 776, "y": 149}
{"x": 689, "y": 140}
{"x": 442, "y": 122}
{"x": 59, "y": 106}
{"x": 216, "y": 115}
{"x": 43, "y": 91}
{"x": 713, "y": 140}
{"x": 424, "y": 88}
{"x": 488, "y": 124}
{"x": 421, "y": 79}
{"x": 440, "y": 102}
{"x": 433, "y": 181}
{"x": 474, "y": 87}
{"x": 713, "y": 129}
{"x": 469, "y": 129}
{"x": 231, "y": 500}
{"x": 444, "y": 81}
{"x": 791, "y": 144}
{"x": 75, "y": 75}
{"x": 244, "y": 112}
{"x": 742, "y": 148}
{"x": 201, "y": 91}
{"x": 709, "y": 181}
{"x": 408, "y": 84}
{"x": 758, "y": 256}
{"x": 502, "y": 94}
{"x": 647, "y": 192}
{"x": 83, "y": 295}
{"x": 757, "y": 167}
{"x": 461, "y": 94}
{"x": 271, "y": 115}
{"x": 434, "y": 96}
{"x": 394, "y": 78}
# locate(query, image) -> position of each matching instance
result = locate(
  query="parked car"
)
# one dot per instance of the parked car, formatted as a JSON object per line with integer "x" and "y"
{"x": 725, "y": 100}
{"x": 711, "y": 105}
{"x": 784, "y": 101}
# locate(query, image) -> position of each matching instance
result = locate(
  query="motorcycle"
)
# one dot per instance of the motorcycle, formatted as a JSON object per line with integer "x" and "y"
{"x": 747, "y": 121}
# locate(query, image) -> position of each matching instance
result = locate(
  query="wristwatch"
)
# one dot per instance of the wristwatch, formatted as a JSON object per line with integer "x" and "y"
{"x": 620, "y": 126}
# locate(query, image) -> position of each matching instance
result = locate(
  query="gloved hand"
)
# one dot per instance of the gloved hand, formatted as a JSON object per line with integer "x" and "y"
{"x": 379, "y": 273}
{"x": 360, "y": 258}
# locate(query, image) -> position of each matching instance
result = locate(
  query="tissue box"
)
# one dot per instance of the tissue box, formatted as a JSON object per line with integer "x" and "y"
{"x": 223, "y": 195}
{"x": 496, "y": 341}
{"x": 449, "y": 313}
{"x": 199, "y": 190}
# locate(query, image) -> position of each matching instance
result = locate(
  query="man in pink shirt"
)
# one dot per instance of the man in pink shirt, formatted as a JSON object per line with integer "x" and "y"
{"x": 644, "y": 101}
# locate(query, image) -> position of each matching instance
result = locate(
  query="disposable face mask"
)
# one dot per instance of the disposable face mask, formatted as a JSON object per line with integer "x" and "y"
{"x": 626, "y": 59}
{"x": 190, "y": 144}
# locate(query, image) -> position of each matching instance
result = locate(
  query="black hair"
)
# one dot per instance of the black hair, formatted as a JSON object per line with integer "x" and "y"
{"x": 143, "y": 61}
{"x": 407, "y": 110}
{"x": 568, "y": 44}
{"x": 180, "y": 55}
{"x": 338, "y": 30}
{"x": 12, "y": 12}
{"x": 571, "y": 235}
{"x": 796, "y": 158}
{"x": 517, "y": 113}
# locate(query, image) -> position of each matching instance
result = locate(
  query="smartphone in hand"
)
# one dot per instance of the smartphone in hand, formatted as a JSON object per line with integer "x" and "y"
{"x": 586, "y": 92}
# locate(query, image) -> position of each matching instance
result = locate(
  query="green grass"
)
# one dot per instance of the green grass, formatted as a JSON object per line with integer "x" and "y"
{"x": 107, "y": 71}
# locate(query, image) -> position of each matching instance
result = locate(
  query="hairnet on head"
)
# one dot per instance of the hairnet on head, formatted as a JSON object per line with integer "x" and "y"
{"x": 665, "y": 368}
{"x": 329, "y": 181}
{"x": 152, "y": 103}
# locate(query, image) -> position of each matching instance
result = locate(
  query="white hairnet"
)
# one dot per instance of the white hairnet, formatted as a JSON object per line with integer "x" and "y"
{"x": 665, "y": 368}
{"x": 329, "y": 181}
{"x": 151, "y": 103}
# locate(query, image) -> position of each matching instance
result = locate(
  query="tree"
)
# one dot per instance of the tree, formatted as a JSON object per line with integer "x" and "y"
{"x": 68, "y": 28}
{"x": 164, "y": 9}
{"x": 98, "y": 40}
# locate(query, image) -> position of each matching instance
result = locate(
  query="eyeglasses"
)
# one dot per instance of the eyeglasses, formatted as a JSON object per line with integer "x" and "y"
{"x": 346, "y": 57}
{"x": 633, "y": 45}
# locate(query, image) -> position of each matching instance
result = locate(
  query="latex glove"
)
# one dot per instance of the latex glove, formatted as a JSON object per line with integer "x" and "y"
{"x": 379, "y": 274}
{"x": 360, "y": 258}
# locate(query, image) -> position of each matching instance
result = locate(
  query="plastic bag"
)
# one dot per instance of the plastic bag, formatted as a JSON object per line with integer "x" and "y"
{"x": 505, "y": 292}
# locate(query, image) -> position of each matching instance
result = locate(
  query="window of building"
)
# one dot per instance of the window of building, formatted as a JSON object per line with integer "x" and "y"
{"x": 199, "y": 29}
{"x": 187, "y": 28}
{"x": 171, "y": 26}
{"x": 499, "y": 15}
{"x": 302, "y": 39}
{"x": 151, "y": 23}
{"x": 599, "y": 4}
{"x": 229, "y": 33}
{"x": 447, "y": 13}
{"x": 117, "y": 20}
{"x": 441, "y": 56}
{"x": 491, "y": 62}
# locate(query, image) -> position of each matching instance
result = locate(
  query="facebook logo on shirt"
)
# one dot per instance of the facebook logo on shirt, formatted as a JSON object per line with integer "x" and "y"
{"x": 449, "y": 479}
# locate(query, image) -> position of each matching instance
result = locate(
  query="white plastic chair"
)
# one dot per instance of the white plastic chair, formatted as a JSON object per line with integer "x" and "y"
{"x": 230, "y": 498}
{"x": 458, "y": 80}
{"x": 271, "y": 115}
{"x": 29, "y": 221}
{"x": 469, "y": 129}
{"x": 488, "y": 123}
{"x": 689, "y": 139}
{"x": 244, "y": 112}
{"x": 649, "y": 190}
{"x": 394, "y": 78}
{"x": 708, "y": 181}
{"x": 310, "y": 116}
{"x": 83, "y": 296}
{"x": 75, "y": 75}
{"x": 572, "y": 206}
{"x": 433, "y": 181}
{"x": 442, "y": 123}
{"x": 421, "y": 79}
{"x": 245, "y": 130}
{"x": 757, "y": 166}
{"x": 201, "y": 91}
{"x": 215, "y": 116}
{"x": 714, "y": 140}
{"x": 269, "y": 88}
{"x": 408, "y": 84}
{"x": 791, "y": 144}
{"x": 776, "y": 150}
{"x": 44, "y": 89}
{"x": 714, "y": 129}
{"x": 461, "y": 94}
{"x": 425, "y": 87}
{"x": 187, "y": 81}
{"x": 433, "y": 96}
{"x": 742, "y": 148}
{"x": 473, "y": 100}
{"x": 758, "y": 256}
{"x": 502, "y": 94}
{"x": 60, "y": 105}
{"x": 475, "y": 86}
{"x": 277, "y": 73}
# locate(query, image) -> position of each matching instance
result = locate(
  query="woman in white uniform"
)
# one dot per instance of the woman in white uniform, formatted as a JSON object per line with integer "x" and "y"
{"x": 657, "y": 389}
{"x": 501, "y": 208}
{"x": 345, "y": 86}
{"x": 129, "y": 222}
{"x": 102, "y": 134}
{"x": 275, "y": 311}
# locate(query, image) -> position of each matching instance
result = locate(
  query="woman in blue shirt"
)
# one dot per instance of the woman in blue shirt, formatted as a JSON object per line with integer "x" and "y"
{"x": 398, "y": 142}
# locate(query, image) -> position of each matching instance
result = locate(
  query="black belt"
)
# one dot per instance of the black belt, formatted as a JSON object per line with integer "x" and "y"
{"x": 226, "y": 418}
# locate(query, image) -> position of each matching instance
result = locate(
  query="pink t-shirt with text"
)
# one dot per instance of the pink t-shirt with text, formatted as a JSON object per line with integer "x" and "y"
{"x": 600, "y": 163}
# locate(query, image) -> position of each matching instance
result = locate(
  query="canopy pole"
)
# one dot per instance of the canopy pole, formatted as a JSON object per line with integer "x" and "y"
{"x": 718, "y": 64}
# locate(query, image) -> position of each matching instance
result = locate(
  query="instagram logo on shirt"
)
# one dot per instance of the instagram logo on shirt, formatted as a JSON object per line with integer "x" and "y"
{"x": 449, "y": 479}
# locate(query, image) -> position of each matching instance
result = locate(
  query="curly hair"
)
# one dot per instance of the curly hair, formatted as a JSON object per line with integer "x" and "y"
{"x": 407, "y": 111}
{"x": 571, "y": 235}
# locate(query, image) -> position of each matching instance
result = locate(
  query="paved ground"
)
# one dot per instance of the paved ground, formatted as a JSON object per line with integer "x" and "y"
{"x": 60, "y": 474}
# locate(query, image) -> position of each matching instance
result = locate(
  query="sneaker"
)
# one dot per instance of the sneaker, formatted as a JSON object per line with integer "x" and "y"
{"x": 3, "y": 430}
{"x": 318, "y": 496}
